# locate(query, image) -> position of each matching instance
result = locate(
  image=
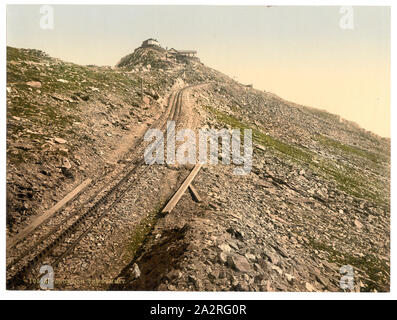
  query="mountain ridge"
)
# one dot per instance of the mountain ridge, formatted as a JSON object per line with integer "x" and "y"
{"x": 66, "y": 122}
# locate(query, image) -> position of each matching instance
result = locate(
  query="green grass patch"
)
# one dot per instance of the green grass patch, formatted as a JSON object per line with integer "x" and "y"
{"x": 326, "y": 141}
{"x": 46, "y": 116}
{"x": 15, "y": 54}
{"x": 376, "y": 270}
{"x": 141, "y": 232}
{"x": 352, "y": 182}
{"x": 347, "y": 179}
{"x": 263, "y": 139}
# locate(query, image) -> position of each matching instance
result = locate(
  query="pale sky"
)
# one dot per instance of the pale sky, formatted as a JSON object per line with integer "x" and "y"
{"x": 298, "y": 53}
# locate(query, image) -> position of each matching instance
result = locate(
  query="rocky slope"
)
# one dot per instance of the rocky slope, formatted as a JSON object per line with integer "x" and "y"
{"x": 318, "y": 196}
{"x": 64, "y": 123}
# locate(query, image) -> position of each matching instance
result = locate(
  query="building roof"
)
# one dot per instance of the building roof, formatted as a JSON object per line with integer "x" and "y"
{"x": 150, "y": 39}
{"x": 187, "y": 51}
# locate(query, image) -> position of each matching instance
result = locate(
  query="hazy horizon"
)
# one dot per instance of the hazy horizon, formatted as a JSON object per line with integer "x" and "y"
{"x": 298, "y": 53}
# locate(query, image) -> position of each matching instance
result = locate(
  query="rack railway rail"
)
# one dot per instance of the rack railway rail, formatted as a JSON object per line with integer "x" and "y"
{"x": 60, "y": 241}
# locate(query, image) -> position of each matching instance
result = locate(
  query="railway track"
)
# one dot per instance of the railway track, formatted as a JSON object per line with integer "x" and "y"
{"x": 62, "y": 239}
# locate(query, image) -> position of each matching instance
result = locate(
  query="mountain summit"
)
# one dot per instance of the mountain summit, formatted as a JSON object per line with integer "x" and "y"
{"x": 152, "y": 55}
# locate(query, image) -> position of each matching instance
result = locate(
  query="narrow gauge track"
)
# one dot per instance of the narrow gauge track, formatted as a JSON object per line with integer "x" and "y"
{"x": 64, "y": 237}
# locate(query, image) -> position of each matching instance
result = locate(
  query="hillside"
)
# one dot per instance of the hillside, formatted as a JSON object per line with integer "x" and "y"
{"x": 318, "y": 196}
{"x": 64, "y": 119}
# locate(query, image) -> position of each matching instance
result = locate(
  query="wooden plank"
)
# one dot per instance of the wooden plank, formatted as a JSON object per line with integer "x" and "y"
{"x": 47, "y": 214}
{"x": 195, "y": 194}
{"x": 177, "y": 196}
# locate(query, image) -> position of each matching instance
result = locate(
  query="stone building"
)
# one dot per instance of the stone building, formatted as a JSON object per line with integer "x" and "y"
{"x": 150, "y": 42}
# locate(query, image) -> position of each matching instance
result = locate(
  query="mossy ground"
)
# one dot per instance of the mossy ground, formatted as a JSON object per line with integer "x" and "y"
{"x": 347, "y": 178}
{"x": 376, "y": 271}
{"x": 142, "y": 231}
